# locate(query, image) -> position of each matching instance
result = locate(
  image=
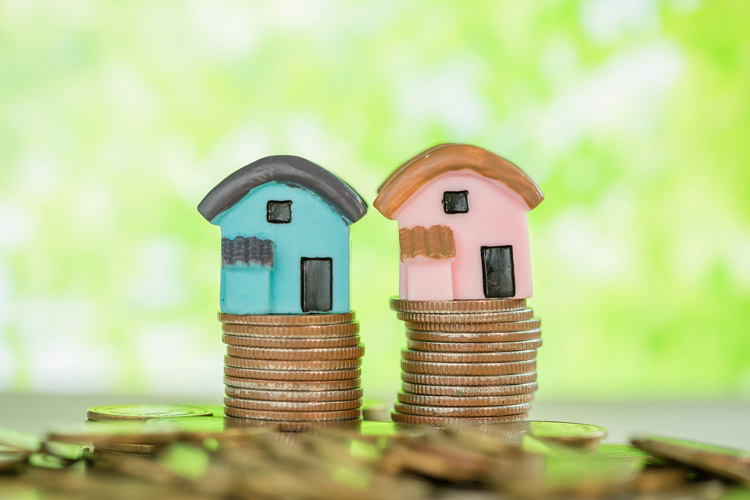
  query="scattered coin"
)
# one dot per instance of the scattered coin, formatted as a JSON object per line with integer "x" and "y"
{"x": 450, "y": 421}
{"x": 461, "y": 411}
{"x": 462, "y": 347}
{"x": 256, "y": 404}
{"x": 585, "y": 436}
{"x": 474, "y": 328}
{"x": 292, "y": 385}
{"x": 265, "y": 364}
{"x": 375, "y": 409}
{"x": 144, "y": 411}
{"x": 297, "y": 354}
{"x": 268, "y": 395}
{"x": 296, "y": 375}
{"x": 298, "y": 331}
{"x": 467, "y": 368}
{"x": 287, "y": 319}
{"x": 290, "y": 342}
{"x": 483, "y": 317}
{"x": 468, "y": 357}
{"x": 457, "y": 306}
{"x": 127, "y": 447}
{"x": 623, "y": 451}
{"x": 306, "y": 416}
{"x": 468, "y": 380}
{"x": 726, "y": 462}
{"x": 472, "y": 390}
{"x": 421, "y": 399}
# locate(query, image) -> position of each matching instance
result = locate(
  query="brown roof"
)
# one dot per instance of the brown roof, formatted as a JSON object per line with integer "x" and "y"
{"x": 427, "y": 165}
{"x": 435, "y": 242}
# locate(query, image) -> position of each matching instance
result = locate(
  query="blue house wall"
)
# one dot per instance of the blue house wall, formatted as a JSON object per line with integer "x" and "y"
{"x": 315, "y": 231}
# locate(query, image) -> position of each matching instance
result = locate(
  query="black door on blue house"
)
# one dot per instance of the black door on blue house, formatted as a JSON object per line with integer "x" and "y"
{"x": 317, "y": 285}
{"x": 497, "y": 272}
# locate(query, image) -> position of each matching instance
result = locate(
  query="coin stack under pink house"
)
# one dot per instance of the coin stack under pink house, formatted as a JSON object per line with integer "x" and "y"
{"x": 465, "y": 275}
{"x": 293, "y": 345}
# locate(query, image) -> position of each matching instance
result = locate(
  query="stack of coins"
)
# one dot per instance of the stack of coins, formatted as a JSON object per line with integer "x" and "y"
{"x": 467, "y": 361}
{"x": 292, "y": 369}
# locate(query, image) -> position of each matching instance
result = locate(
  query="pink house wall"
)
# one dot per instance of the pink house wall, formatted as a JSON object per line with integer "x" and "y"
{"x": 497, "y": 216}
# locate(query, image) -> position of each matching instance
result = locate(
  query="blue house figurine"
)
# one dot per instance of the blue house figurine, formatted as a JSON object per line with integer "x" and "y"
{"x": 284, "y": 237}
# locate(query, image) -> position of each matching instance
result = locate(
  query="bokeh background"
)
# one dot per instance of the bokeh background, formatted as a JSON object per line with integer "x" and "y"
{"x": 117, "y": 117}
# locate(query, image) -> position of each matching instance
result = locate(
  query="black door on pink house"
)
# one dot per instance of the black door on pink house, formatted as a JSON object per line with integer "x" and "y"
{"x": 497, "y": 272}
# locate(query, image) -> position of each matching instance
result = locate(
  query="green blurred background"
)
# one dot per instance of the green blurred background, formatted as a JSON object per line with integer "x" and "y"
{"x": 117, "y": 117}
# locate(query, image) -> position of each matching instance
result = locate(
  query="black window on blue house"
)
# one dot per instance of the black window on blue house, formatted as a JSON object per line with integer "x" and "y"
{"x": 456, "y": 202}
{"x": 279, "y": 212}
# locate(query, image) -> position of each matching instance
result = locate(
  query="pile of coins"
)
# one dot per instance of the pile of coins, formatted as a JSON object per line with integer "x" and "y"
{"x": 467, "y": 360}
{"x": 292, "y": 369}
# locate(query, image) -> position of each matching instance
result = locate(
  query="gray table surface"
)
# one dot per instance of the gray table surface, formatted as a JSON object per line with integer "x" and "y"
{"x": 724, "y": 423}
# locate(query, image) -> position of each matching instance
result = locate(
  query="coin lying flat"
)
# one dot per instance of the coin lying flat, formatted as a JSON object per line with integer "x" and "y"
{"x": 425, "y": 400}
{"x": 468, "y": 368}
{"x": 292, "y": 385}
{"x": 266, "y": 364}
{"x": 144, "y": 411}
{"x": 290, "y": 342}
{"x": 256, "y": 404}
{"x": 292, "y": 331}
{"x": 468, "y": 380}
{"x": 504, "y": 327}
{"x": 287, "y": 319}
{"x": 480, "y": 317}
{"x": 375, "y": 410}
{"x": 584, "y": 436}
{"x": 292, "y": 374}
{"x": 461, "y": 411}
{"x": 450, "y": 421}
{"x": 521, "y": 345}
{"x": 127, "y": 447}
{"x": 268, "y": 395}
{"x": 297, "y": 354}
{"x": 457, "y": 306}
{"x": 471, "y": 390}
{"x": 468, "y": 357}
{"x": 725, "y": 462}
{"x": 307, "y": 416}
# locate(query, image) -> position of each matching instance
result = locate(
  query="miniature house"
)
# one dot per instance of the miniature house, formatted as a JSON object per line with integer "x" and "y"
{"x": 284, "y": 237}
{"x": 461, "y": 213}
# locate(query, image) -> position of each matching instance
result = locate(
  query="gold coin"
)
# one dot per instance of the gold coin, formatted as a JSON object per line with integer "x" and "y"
{"x": 255, "y": 404}
{"x": 468, "y": 357}
{"x": 292, "y": 331}
{"x": 469, "y": 380}
{"x": 449, "y": 421}
{"x": 468, "y": 368}
{"x": 462, "y": 411}
{"x": 475, "y": 390}
{"x": 265, "y": 364}
{"x": 522, "y": 345}
{"x": 144, "y": 411}
{"x": 306, "y": 416}
{"x": 298, "y": 375}
{"x": 323, "y": 354}
{"x": 473, "y": 337}
{"x": 484, "y": 317}
{"x": 421, "y": 399}
{"x": 457, "y": 306}
{"x": 127, "y": 447}
{"x": 585, "y": 436}
{"x": 291, "y": 395}
{"x": 290, "y": 343}
{"x": 292, "y": 385}
{"x": 287, "y": 319}
{"x": 474, "y": 328}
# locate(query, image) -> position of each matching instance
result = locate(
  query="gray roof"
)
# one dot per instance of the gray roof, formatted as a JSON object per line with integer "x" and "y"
{"x": 289, "y": 170}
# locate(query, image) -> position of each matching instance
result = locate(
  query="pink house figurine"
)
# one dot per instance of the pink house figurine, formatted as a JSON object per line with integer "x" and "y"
{"x": 461, "y": 213}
